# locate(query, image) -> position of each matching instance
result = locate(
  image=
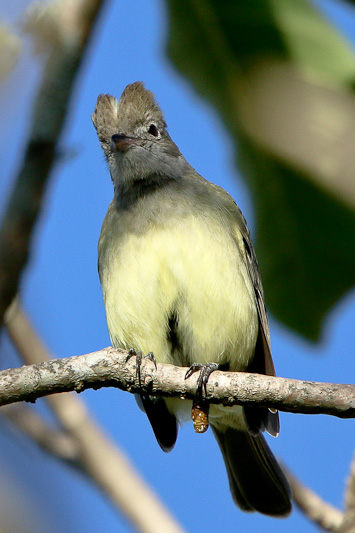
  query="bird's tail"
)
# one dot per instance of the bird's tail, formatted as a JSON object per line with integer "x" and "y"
{"x": 257, "y": 482}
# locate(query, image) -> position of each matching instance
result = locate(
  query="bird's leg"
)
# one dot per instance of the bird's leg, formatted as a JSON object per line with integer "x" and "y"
{"x": 200, "y": 406}
{"x": 139, "y": 357}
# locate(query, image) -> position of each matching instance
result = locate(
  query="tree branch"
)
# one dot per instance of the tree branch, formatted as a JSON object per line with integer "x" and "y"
{"x": 348, "y": 524}
{"x": 323, "y": 514}
{"x": 108, "y": 368}
{"x": 54, "y": 441}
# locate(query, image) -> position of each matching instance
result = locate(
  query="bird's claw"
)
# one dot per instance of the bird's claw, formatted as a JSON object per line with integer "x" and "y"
{"x": 205, "y": 372}
{"x": 151, "y": 358}
{"x": 139, "y": 358}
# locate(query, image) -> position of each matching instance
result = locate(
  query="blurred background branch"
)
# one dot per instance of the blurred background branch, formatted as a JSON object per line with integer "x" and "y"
{"x": 62, "y": 31}
{"x": 85, "y": 445}
{"x": 348, "y": 524}
{"x": 326, "y": 516}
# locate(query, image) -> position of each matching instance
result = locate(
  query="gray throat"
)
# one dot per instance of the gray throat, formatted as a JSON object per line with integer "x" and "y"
{"x": 128, "y": 194}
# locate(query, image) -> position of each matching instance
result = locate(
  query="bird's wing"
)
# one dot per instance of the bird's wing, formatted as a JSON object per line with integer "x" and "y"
{"x": 258, "y": 419}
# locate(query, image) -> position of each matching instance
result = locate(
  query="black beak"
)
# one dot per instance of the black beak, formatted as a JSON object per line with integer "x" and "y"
{"x": 121, "y": 142}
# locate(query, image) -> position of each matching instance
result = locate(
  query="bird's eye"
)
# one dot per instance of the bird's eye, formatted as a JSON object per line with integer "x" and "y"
{"x": 153, "y": 130}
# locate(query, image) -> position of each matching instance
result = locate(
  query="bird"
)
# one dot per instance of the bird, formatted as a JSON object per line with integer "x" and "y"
{"x": 180, "y": 280}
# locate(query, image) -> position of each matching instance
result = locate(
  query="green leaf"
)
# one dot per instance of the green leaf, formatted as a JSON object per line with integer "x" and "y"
{"x": 281, "y": 77}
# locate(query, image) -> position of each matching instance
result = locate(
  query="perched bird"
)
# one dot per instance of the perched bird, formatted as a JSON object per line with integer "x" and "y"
{"x": 180, "y": 279}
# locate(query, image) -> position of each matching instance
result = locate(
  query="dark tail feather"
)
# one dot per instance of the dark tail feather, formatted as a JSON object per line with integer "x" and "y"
{"x": 256, "y": 480}
{"x": 162, "y": 421}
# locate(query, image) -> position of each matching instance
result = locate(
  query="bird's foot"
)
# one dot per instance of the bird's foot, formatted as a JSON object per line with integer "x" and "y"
{"x": 139, "y": 358}
{"x": 200, "y": 406}
{"x": 205, "y": 372}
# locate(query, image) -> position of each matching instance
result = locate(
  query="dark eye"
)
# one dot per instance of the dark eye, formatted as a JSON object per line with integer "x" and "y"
{"x": 153, "y": 130}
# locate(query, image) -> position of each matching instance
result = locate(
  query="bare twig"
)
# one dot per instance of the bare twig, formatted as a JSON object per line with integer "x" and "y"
{"x": 98, "y": 457}
{"x": 108, "y": 368}
{"x": 348, "y": 525}
{"x": 72, "y": 22}
{"x": 325, "y": 515}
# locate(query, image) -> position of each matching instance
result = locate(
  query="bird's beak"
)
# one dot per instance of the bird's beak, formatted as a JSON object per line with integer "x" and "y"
{"x": 120, "y": 142}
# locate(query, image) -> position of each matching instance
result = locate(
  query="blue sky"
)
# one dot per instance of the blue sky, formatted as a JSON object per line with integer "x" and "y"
{"x": 62, "y": 295}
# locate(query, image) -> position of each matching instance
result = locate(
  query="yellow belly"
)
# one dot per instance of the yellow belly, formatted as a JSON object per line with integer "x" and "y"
{"x": 188, "y": 270}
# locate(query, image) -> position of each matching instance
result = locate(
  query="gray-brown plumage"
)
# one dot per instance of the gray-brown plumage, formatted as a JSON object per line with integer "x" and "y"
{"x": 180, "y": 278}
